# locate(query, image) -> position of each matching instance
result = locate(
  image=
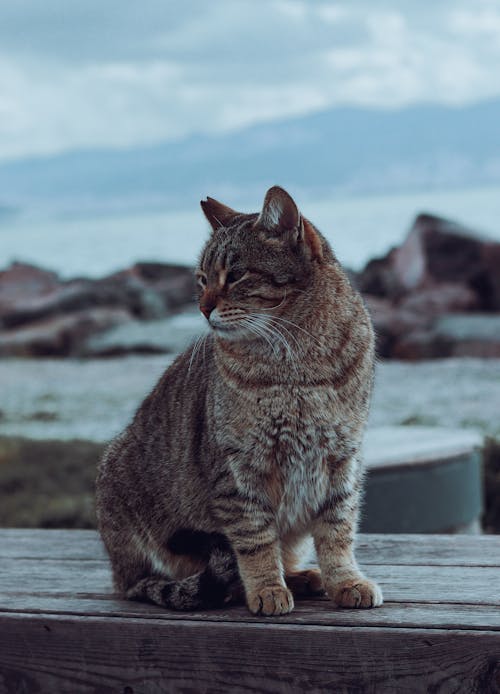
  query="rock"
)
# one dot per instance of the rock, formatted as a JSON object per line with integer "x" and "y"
{"x": 59, "y": 335}
{"x": 441, "y": 268}
{"x": 175, "y": 283}
{"x": 437, "y": 252}
{"x": 147, "y": 291}
{"x": 454, "y": 335}
{"x": 415, "y": 314}
{"x": 489, "y": 283}
{"x": 445, "y": 298}
{"x": 379, "y": 279}
{"x": 56, "y": 315}
{"x": 66, "y": 298}
{"x": 170, "y": 335}
{"x": 390, "y": 322}
{"x": 156, "y": 289}
{"x": 22, "y": 282}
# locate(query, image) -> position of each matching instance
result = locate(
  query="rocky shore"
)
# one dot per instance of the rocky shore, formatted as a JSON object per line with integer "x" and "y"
{"x": 436, "y": 295}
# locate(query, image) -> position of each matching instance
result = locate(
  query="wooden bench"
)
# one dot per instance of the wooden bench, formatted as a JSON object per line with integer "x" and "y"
{"x": 62, "y": 630}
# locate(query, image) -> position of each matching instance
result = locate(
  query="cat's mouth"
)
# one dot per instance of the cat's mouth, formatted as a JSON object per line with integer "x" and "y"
{"x": 223, "y": 328}
{"x": 242, "y": 326}
{"x": 229, "y": 330}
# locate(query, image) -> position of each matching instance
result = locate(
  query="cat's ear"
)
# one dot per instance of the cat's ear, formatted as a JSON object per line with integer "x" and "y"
{"x": 280, "y": 214}
{"x": 281, "y": 218}
{"x": 218, "y": 215}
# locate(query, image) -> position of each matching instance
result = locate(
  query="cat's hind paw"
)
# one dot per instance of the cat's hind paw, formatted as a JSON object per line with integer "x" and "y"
{"x": 304, "y": 583}
{"x": 356, "y": 592}
{"x": 270, "y": 600}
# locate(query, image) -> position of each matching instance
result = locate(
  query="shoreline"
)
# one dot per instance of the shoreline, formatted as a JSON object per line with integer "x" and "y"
{"x": 95, "y": 398}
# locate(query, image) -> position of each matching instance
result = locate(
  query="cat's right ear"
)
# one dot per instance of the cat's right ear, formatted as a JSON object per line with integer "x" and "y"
{"x": 280, "y": 214}
{"x": 281, "y": 219}
{"x": 218, "y": 215}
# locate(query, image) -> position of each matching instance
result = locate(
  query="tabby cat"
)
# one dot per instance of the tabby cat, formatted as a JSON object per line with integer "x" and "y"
{"x": 250, "y": 441}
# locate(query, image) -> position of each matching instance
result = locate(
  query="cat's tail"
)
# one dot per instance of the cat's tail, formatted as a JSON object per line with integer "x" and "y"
{"x": 213, "y": 587}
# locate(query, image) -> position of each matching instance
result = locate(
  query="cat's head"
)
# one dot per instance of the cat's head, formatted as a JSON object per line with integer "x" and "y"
{"x": 255, "y": 267}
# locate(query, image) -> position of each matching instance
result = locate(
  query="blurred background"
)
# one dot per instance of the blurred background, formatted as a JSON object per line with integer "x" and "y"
{"x": 382, "y": 119}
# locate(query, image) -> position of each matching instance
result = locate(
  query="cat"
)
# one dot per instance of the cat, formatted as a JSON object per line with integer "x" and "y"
{"x": 250, "y": 443}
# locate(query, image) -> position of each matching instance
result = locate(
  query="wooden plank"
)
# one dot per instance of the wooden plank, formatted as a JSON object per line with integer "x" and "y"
{"x": 458, "y": 550}
{"x": 317, "y": 611}
{"x": 61, "y": 628}
{"x": 55, "y": 576}
{"x": 83, "y": 655}
{"x": 438, "y": 550}
{"x": 460, "y": 584}
{"x": 34, "y": 543}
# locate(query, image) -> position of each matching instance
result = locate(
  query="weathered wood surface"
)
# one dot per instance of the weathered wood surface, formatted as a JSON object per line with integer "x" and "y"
{"x": 62, "y": 630}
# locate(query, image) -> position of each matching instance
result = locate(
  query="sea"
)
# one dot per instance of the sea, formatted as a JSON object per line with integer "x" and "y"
{"x": 358, "y": 227}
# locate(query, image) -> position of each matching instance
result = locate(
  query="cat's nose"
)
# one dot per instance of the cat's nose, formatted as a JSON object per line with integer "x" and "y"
{"x": 207, "y": 305}
{"x": 208, "y": 302}
{"x": 207, "y": 310}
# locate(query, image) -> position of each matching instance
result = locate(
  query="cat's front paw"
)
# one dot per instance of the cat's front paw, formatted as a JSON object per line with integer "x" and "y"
{"x": 270, "y": 600}
{"x": 355, "y": 592}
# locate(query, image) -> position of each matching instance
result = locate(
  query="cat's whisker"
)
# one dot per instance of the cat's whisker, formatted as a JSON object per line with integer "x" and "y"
{"x": 267, "y": 333}
{"x": 281, "y": 338}
{"x": 291, "y": 353}
{"x": 204, "y": 343}
{"x": 266, "y": 323}
{"x": 197, "y": 345}
{"x": 292, "y": 290}
{"x": 259, "y": 333}
{"x": 273, "y": 308}
{"x": 257, "y": 330}
{"x": 284, "y": 320}
{"x": 273, "y": 331}
{"x": 270, "y": 325}
{"x": 193, "y": 354}
{"x": 292, "y": 336}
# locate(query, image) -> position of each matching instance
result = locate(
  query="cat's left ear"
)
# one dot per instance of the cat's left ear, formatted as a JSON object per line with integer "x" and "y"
{"x": 280, "y": 217}
{"x": 218, "y": 215}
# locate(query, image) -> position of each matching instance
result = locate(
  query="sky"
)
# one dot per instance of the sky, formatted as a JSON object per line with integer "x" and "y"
{"x": 87, "y": 74}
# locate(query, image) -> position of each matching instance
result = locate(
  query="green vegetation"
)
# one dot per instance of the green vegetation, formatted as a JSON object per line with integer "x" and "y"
{"x": 47, "y": 484}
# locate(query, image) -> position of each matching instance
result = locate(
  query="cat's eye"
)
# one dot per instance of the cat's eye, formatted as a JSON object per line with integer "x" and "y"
{"x": 201, "y": 279}
{"x": 235, "y": 276}
{"x": 280, "y": 281}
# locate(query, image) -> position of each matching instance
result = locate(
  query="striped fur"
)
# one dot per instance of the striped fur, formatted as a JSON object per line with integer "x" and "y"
{"x": 250, "y": 442}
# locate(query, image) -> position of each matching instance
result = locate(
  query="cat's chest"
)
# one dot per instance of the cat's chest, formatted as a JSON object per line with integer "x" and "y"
{"x": 290, "y": 429}
{"x": 297, "y": 476}
{"x": 302, "y": 487}
{"x": 285, "y": 452}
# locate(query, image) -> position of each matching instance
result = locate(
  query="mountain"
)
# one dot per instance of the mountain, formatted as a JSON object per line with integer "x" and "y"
{"x": 341, "y": 149}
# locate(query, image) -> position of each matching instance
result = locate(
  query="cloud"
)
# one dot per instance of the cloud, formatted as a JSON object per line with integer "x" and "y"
{"x": 122, "y": 73}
